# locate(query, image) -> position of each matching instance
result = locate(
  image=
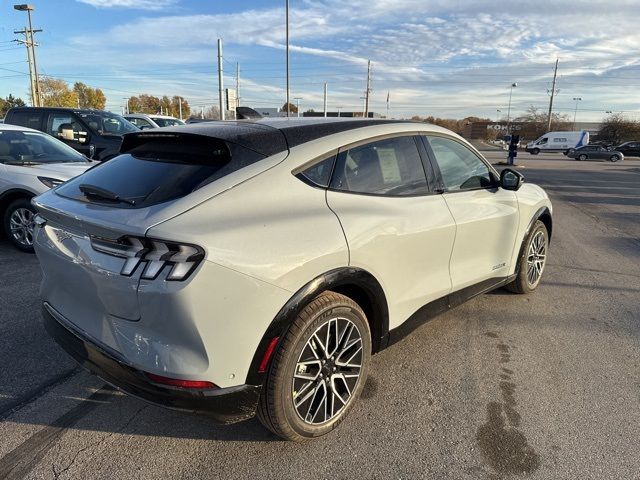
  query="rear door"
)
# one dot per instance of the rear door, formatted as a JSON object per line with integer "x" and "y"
{"x": 30, "y": 117}
{"x": 486, "y": 216}
{"x": 396, "y": 227}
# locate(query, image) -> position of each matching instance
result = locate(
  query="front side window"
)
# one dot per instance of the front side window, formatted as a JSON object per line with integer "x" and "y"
{"x": 543, "y": 141}
{"x": 59, "y": 122}
{"x": 167, "y": 122}
{"x": 139, "y": 122}
{"x": 461, "y": 169}
{"x": 389, "y": 167}
{"x": 105, "y": 123}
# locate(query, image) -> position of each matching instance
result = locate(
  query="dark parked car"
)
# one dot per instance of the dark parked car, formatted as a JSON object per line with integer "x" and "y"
{"x": 630, "y": 149}
{"x": 595, "y": 152}
{"x": 95, "y": 133}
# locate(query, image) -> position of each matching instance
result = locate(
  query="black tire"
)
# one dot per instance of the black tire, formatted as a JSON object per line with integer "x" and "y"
{"x": 521, "y": 284}
{"x": 21, "y": 203}
{"x": 535, "y": 151}
{"x": 582, "y": 157}
{"x": 614, "y": 158}
{"x": 276, "y": 409}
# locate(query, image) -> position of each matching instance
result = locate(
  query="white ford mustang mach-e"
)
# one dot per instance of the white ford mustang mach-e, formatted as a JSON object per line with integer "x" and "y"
{"x": 242, "y": 268}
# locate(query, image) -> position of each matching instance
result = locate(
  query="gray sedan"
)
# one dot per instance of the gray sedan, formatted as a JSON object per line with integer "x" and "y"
{"x": 595, "y": 152}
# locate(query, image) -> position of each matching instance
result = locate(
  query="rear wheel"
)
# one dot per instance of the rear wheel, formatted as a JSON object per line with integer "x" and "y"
{"x": 18, "y": 224}
{"x": 532, "y": 260}
{"x": 319, "y": 369}
{"x": 582, "y": 157}
{"x": 614, "y": 158}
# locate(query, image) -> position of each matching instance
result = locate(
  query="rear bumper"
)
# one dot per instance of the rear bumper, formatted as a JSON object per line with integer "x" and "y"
{"x": 223, "y": 405}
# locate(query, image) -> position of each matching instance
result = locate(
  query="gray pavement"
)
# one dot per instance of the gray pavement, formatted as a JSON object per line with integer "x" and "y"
{"x": 545, "y": 386}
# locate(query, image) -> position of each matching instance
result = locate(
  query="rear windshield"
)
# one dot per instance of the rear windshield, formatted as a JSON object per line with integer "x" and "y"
{"x": 157, "y": 172}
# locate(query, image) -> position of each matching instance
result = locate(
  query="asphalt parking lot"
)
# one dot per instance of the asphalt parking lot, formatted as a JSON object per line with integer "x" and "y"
{"x": 545, "y": 386}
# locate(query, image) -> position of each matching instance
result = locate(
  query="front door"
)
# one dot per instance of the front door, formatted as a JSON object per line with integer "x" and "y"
{"x": 486, "y": 216}
{"x": 396, "y": 228}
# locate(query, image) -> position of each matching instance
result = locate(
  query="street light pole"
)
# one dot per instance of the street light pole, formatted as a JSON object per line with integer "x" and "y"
{"x": 29, "y": 42}
{"x": 575, "y": 113}
{"x": 287, "y": 49}
{"x": 498, "y": 112}
{"x": 513, "y": 85}
{"x": 297, "y": 99}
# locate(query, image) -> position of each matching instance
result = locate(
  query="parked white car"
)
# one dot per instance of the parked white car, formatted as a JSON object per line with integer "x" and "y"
{"x": 144, "y": 121}
{"x": 254, "y": 267}
{"x": 558, "y": 142}
{"x": 31, "y": 163}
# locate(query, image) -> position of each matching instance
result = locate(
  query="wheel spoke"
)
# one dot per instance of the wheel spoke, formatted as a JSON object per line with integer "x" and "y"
{"x": 328, "y": 370}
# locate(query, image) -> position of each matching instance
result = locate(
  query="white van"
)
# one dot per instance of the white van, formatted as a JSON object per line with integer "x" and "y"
{"x": 558, "y": 142}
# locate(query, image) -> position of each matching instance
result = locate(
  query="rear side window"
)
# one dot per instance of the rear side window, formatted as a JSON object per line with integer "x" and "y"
{"x": 27, "y": 118}
{"x": 320, "y": 173}
{"x": 390, "y": 167}
{"x": 158, "y": 171}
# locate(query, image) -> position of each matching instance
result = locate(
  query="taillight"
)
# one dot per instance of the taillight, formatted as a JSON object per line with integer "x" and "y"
{"x": 154, "y": 254}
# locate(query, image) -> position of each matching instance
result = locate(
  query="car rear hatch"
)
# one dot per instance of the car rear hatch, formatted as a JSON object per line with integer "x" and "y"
{"x": 91, "y": 239}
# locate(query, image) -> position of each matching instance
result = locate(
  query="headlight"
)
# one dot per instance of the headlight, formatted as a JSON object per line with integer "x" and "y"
{"x": 153, "y": 254}
{"x": 51, "y": 182}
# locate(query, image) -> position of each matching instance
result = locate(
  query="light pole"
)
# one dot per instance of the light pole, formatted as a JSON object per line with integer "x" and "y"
{"x": 31, "y": 51}
{"x": 513, "y": 85}
{"x": 575, "y": 112}
{"x": 297, "y": 99}
{"x": 498, "y": 112}
{"x": 287, "y": 49}
{"x": 127, "y": 99}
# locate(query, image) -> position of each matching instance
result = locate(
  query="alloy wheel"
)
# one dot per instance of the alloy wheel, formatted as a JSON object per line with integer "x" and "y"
{"x": 536, "y": 258}
{"x": 327, "y": 371}
{"x": 21, "y": 223}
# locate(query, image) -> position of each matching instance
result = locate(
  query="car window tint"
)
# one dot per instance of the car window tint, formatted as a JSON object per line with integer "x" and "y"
{"x": 387, "y": 167}
{"x": 320, "y": 173}
{"x": 58, "y": 121}
{"x": 461, "y": 169}
{"x": 27, "y": 119}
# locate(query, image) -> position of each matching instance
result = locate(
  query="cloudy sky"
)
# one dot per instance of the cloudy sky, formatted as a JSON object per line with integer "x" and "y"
{"x": 436, "y": 57}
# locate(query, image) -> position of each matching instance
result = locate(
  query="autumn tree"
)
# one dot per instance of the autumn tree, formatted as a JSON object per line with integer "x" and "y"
{"x": 292, "y": 108}
{"x": 10, "y": 102}
{"x": 534, "y": 123}
{"x": 89, "y": 97}
{"x": 56, "y": 93}
{"x": 151, "y": 104}
{"x": 617, "y": 128}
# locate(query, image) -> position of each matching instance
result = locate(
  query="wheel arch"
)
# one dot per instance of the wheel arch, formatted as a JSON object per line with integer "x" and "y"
{"x": 11, "y": 195}
{"x": 355, "y": 283}
{"x": 544, "y": 215}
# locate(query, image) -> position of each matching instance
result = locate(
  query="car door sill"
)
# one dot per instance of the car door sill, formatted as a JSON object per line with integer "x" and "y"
{"x": 443, "y": 304}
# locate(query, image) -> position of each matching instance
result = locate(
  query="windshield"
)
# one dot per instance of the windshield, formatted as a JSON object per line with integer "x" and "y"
{"x": 105, "y": 123}
{"x": 30, "y": 147}
{"x": 167, "y": 122}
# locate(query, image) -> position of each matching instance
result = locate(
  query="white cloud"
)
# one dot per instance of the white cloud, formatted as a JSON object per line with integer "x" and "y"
{"x": 134, "y": 4}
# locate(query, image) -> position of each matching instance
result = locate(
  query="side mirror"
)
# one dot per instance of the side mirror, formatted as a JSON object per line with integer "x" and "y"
{"x": 67, "y": 134}
{"x": 510, "y": 179}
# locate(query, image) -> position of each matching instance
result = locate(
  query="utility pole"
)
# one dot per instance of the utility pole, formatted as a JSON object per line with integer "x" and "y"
{"x": 237, "y": 86}
{"x": 287, "y": 49}
{"x": 388, "y": 99}
{"x": 220, "y": 81}
{"x": 180, "y": 106}
{"x": 513, "y": 85}
{"x": 325, "y": 99}
{"x": 366, "y": 101}
{"x": 29, "y": 42}
{"x": 553, "y": 92}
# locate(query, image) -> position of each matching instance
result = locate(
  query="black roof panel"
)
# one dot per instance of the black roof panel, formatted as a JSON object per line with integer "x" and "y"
{"x": 267, "y": 136}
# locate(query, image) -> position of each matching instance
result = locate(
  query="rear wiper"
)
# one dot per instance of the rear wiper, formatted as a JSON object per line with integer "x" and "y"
{"x": 93, "y": 191}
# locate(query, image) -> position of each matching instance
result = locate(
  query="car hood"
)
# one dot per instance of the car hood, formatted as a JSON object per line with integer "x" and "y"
{"x": 59, "y": 171}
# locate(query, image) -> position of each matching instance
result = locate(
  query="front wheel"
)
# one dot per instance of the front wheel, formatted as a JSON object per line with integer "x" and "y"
{"x": 532, "y": 260}
{"x": 19, "y": 223}
{"x": 319, "y": 369}
{"x": 535, "y": 151}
